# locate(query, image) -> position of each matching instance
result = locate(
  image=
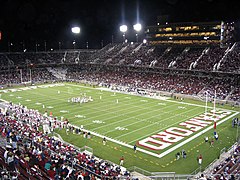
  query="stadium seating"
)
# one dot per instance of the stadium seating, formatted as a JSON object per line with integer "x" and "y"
{"x": 228, "y": 167}
{"x": 203, "y": 58}
{"x": 173, "y": 69}
{"x": 35, "y": 159}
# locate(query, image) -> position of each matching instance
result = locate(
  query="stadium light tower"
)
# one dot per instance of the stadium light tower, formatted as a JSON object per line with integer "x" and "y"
{"x": 74, "y": 44}
{"x": 76, "y": 30}
{"x": 123, "y": 29}
{"x": 137, "y": 27}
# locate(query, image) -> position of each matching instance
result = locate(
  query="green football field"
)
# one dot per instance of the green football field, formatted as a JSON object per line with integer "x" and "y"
{"x": 125, "y": 120}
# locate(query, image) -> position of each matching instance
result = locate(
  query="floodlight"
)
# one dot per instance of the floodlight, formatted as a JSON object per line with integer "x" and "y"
{"x": 144, "y": 41}
{"x": 123, "y": 28}
{"x": 76, "y": 30}
{"x": 137, "y": 27}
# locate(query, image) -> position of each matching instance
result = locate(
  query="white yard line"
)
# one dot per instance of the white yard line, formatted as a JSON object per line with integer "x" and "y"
{"x": 119, "y": 114}
{"x": 149, "y": 124}
{"x": 125, "y": 119}
{"x": 147, "y": 135}
{"x": 107, "y": 112}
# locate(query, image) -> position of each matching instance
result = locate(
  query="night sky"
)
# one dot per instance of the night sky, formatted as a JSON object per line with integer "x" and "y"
{"x": 51, "y": 20}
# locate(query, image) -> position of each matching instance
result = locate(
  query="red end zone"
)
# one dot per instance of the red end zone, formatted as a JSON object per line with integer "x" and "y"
{"x": 173, "y": 135}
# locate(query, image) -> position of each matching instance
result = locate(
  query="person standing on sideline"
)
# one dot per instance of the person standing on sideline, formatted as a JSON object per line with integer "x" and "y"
{"x": 211, "y": 143}
{"x": 178, "y": 155}
{"x": 135, "y": 148}
{"x": 206, "y": 139}
{"x": 200, "y": 159}
{"x": 216, "y": 135}
{"x": 121, "y": 161}
{"x": 104, "y": 141}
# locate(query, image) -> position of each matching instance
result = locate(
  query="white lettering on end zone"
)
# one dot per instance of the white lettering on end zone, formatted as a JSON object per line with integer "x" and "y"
{"x": 193, "y": 128}
{"x": 166, "y": 137}
{"x": 179, "y": 131}
{"x": 154, "y": 144}
{"x": 172, "y": 135}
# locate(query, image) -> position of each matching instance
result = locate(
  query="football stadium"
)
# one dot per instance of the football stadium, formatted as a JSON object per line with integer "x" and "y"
{"x": 163, "y": 106}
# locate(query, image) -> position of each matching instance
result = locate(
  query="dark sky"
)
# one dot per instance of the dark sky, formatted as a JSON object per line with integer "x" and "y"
{"x": 51, "y": 20}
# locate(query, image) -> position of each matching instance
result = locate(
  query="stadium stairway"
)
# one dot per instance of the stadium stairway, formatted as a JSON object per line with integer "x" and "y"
{"x": 229, "y": 95}
{"x": 136, "y": 175}
{"x": 58, "y": 73}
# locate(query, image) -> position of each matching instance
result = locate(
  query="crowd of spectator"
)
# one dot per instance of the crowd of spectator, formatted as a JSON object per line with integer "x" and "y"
{"x": 210, "y": 58}
{"x": 224, "y": 87}
{"x": 185, "y": 61}
{"x": 235, "y": 96}
{"x": 31, "y": 153}
{"x": 106, "y": 56}
{"x": 232, "y": 61}
{"x": 16, "y": 77}
{"x": 204, "y": 58}
{"x": 173, "y": 83}
{"x": 51, "y": 57}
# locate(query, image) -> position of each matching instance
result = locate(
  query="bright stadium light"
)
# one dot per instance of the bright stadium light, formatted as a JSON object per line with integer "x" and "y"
{"x": 123, "y": 28}
{"x": 76, "y": 30}
{"x": 137, "y": 27}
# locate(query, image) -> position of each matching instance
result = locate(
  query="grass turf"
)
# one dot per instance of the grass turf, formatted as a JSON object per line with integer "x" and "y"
{"x": 127, "y": 118}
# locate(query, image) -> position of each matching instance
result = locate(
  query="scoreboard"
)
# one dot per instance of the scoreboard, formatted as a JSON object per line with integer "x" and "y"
{"x": 190, "y": 33}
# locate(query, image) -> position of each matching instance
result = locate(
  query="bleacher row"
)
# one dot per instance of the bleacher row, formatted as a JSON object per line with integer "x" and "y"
{"x": 203, "y": 58}
{"x": 30, "y": 154}
{"x": 227, "y": 169}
